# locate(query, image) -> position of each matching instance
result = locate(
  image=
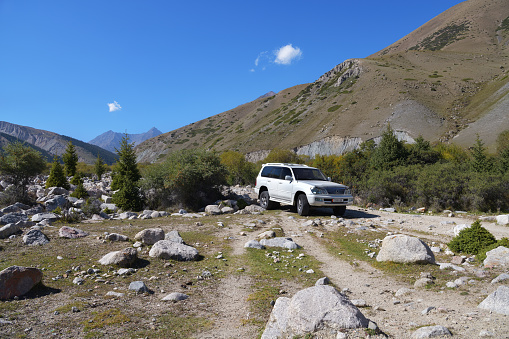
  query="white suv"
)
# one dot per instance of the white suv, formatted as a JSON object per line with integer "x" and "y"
{"x": 301, "y": 186}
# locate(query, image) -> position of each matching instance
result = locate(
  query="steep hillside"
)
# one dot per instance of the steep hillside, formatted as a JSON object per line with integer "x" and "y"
{"x": 111, "y": 140}
{"x": 445, "y": 81}
{"x": 6, "y": 139}
{"x": 55, "y": 143}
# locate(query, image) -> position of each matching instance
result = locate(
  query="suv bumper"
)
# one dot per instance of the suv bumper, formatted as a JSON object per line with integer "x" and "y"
{"x": 330, "y": 200}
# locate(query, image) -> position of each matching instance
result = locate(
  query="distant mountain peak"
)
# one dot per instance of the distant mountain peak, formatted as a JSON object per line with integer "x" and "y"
{"x": 111, "y": 140}
{"x": 266, "y": 95}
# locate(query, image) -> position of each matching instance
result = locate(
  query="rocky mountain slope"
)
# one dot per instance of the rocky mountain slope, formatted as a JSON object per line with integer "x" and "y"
{"x": 111, "y": 140}
{"x": 446, "y": 81}
{"x": 55, "y": 144}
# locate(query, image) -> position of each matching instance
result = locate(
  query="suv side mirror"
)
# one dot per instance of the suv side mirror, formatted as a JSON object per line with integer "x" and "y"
{"x": 329, "y": 179}
{"x": 289, "y": 178}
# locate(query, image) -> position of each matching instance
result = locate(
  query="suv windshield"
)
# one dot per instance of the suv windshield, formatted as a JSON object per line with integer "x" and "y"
{"x": 308, "y": 174}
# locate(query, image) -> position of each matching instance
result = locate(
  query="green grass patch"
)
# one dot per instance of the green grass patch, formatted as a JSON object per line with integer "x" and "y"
{"x": 334, "y": 108}
{"x": 107, "y": 318}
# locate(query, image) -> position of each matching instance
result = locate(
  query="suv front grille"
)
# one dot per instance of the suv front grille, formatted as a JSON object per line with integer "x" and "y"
{"x": 335, "y": 190}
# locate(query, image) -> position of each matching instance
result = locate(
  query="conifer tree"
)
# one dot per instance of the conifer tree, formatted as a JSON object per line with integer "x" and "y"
{"x": 480, "y": 161}
{"x": 19, "y": 163}
{"x": 80, "y": 191}
{"x": 56, "y": 175}
{"x": 126, "y": 176}
{"x": 70, "y": 159}
{"x": 99, "y": 167}
{"x": 389, "y": 153}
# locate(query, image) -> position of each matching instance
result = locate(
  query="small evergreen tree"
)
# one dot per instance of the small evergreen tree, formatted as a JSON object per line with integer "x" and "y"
{"x": 70, "y": 159}
{"x": 472, "y": 240}
{"x": 389, "y": 153}
{"x": 56, "y": 176}
{"x": 19, "y": 163}
{"x": 80, "y": 191}
{"x": 126, "y": 178}
{"x": 99, "y": 167}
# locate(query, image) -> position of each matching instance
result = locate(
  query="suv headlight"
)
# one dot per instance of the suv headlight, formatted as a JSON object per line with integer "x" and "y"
{"x": 348, "y": 191}
{"x": 318, "y": 190}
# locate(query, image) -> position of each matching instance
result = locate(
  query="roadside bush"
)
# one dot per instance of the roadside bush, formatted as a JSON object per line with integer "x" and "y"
{"x": 187, "y": 178}
{"x": 240, "y": 171}
{"x": 472, "y": 240}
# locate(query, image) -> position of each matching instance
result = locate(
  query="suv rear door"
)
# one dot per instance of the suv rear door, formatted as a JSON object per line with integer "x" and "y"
{"x": 285, "y": 187}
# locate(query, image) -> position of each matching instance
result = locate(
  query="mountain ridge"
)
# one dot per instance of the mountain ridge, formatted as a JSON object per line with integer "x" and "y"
{"x": 438, "y": 82}
{"x": 111, "y": 140}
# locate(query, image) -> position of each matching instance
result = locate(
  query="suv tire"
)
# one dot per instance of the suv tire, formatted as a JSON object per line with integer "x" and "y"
{"x": 265, "y": 201}
{"x": 340, "y": 210}
{"x": 302, "y": 205}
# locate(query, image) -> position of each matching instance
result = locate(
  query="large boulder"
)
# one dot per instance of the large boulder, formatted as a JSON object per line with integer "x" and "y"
{"x": 12, "y": 218}
{"x": 405, "y": 249}
{"x": 71, "y": 232}
{"x": 497, "y": 257}
{"x": 35, "y": 237}
{"x": 317, "y": 308}
{"x": 431, "y": 332}
{"x": 503, "y": 219}
{"x": 44, "y": 216}
{"x": 174, "y": 236}
{"x": 280, "y": 242}
{"x": 212, "y": 210}
{"x": 16, "y": 281}
{"x": 123, "y": 258}
{"x": 167, "y": 249}
{"x": 497, "y": 301}
{"x": 8, "y": 230}
{"x": 56, "y": 201}
{"x": 150, "y": 236}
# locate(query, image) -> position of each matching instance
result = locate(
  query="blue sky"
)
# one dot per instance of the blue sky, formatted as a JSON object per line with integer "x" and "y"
{"x": 81, "y": 68}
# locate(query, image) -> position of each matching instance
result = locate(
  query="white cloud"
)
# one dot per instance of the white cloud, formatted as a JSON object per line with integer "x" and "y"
{"x": 286, "y": 54}
{"x": 114, "y": 106}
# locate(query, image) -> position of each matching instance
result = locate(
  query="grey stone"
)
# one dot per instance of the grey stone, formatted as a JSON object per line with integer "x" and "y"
{"x": 45, "y": 216}
{"x": 16, "y": 281}
{"x": 12, "y": 218}
{"x": 280, "y": 242}
{"x": 175, "y": 296}
{"x": 212, "y": 210}
{"x": 431, "y": 332}
{"x": 458, "y": 228}
{"x": 254, "y": 209}
{"x": 150, "y": 236}
{"x": 57, "y": 191}
{"x": 254, "y": 244}
{"x": 227, "y": 210}
{"x": 500, "y": 278}
{"x": 155, "y": 214}
{"x": 8, "y": 230}
{"x": 57, "y": 201}
{"x": 139, "y": 287}
{"x": 123, "y": 258}
{"x": 405, "y": 249}
{"x": 403, "y": 291}
{"x": 127, "y": 215}
{"x": 267, "y": 235}
{"x": 315, "y": 308}
{"x": 423, "y": 282}
{"x": 35, "y": 237}
{"x": 78, "y": 281}
{"x": 322, "y": 281}
{"x": 114, "y": 294}
{"x": 116, "y": 237}
{"x": 71, "y": 232}
{"x": 166, "y": 249}
{"x": 497, "y": 257}
{"x": 497, "y": 301}
{"x": 174, "y": 236}
{"x": 503, "y": 219}
{"x": 111, "y": 207}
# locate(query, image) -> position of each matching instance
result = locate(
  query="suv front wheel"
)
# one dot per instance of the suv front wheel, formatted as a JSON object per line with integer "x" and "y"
{"x": 302, "y": 205}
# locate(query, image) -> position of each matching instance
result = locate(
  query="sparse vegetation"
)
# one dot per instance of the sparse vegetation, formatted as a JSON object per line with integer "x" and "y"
{"x": 472, "y": 240}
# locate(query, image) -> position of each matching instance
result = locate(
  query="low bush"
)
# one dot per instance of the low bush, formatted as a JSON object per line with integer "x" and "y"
{"x": 472, "y": 240}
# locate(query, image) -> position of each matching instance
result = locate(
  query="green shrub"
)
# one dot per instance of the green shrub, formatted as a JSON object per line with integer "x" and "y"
{"x": 472, "y": 240}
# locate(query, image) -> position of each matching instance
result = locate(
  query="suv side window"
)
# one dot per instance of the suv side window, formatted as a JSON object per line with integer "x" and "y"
{"x": 284, "y": 172}
{"x": 266, "y": 171}
{"x": 275, "y": 172}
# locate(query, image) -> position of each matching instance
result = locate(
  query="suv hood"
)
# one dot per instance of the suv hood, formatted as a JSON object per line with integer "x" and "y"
{"x": 321, "y": 184}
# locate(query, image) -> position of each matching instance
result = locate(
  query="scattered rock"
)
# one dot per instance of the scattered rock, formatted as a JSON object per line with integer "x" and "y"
{"x": 315, "y": 308}
{"x": 500, "y": 278}
{"x": 78, "y": 281}
{"x": 254, "y": 244}
{"x": 71, "y": 233}
{"x": 16, "y": 281}
{"x": 123, "y": 258}
{"x": 497, "y": 257}
{"x": 280, "y": 242}
{"x": 503, "y": 219}
{"x": 175, "y": 296}
{"x": 166, "y": 249}
{"x": 457, "y": 260}
{"x": 267, "y": 235}
{"x": 497, "y": 301}
{"x": 139, "y": 287}
{"x": 405, "y": 249}
{"x": 174, "y": 236}
{"x": 115, "y": 294}
{"x": 8, "y": 230}
{"x": 403, "y": 291}
{"x": 116, "y": 237}
{"x": 35, "y": 237}
{"x": 150, "y": 236}
{"x": 322, "y": 281}
{"x": 212, "y": 210}
{"x": 431, "y": 332}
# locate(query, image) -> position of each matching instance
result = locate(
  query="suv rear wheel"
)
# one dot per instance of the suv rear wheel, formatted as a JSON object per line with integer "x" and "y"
{"x": 302, "y": 205}
{"x": 265, "y": 201}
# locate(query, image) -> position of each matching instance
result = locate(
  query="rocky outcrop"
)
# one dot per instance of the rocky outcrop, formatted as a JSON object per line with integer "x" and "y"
{"x": 16, "y": 281}
{"x": 405, "y": 249}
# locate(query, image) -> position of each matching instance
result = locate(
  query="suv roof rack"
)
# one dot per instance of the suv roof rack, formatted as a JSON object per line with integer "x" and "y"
{"x": 283, "y": 164}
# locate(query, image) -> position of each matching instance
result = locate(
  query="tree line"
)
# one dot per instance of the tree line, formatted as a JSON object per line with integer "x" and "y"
{"x": 392, "y": 173}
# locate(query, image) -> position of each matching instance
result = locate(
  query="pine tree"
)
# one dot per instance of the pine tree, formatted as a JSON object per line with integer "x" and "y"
{"x": 480, "y": 161}
{"x": 126, "y": 176}
{"x": 80, "y": 191}
{"x": 19, "y": 163}
{"x": 70, "y": 159}
{"x": 389, "y": 153}
{"x": 56, "y": 176}
{"x": 99, "y": 167}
